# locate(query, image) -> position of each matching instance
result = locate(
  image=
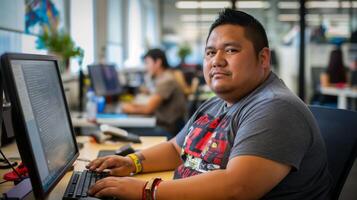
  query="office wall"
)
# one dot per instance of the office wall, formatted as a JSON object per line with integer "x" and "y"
{"x": 12, "y": 27}
{"x": 100, "y": 29}
{"x": 12, "y": 14}
{"x": 82, "y": 30}
{"x": 114, "y": 44}
{"x": 108, "y": 31}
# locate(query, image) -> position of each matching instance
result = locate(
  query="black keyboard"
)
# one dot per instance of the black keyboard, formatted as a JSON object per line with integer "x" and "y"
{"x": 80, "y": 183}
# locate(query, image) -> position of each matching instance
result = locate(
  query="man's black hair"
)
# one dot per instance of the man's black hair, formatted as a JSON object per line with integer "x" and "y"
{"x": 157, "y": 54}
{"x": 253, "y": 29}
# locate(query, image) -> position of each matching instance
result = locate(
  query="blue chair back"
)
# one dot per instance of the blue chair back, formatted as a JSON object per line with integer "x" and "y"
{"x": 339, "y": 130}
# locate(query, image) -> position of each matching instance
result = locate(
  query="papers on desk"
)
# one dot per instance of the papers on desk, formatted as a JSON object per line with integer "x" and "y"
{"x": 124, "y": 120}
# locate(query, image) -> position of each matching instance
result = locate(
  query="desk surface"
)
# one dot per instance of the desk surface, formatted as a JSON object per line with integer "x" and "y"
{"x": 346, "y": 91}
{"x": 341, "y": 93}
{"x": 88, "y": 152}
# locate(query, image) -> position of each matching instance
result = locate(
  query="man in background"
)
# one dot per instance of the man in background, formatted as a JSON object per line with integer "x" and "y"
{"x": 167, "y": 102}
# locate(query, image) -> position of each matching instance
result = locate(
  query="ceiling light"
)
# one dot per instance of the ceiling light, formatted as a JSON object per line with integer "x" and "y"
{"x": 317, "y": 4}
{"x": 186, "y": 4}
{"x": 215, "y": 4}
{"x": 346, "y": 4}
{"x": 252, "y": 4}
{"x": 195, "y": 18}
{"x": 322, "y": 4}
{"x": 202, "y": 4}
{"x": 313, "y": 17}
{"x": 288, "y": 5}
{"x": 288, "y": 17}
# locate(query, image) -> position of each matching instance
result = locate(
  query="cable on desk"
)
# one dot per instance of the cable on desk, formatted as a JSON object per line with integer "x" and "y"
{"x": 83, "y": 159}
{"x": 12, "y": 167}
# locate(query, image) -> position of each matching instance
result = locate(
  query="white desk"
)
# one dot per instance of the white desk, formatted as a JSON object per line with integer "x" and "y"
{"x": 341, "y": 93}
{"x": 136, "y": 121}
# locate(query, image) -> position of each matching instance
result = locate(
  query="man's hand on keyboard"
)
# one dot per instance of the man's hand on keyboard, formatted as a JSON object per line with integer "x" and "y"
{"x": 119, "y": 187}
{"x": 118, "y": 165}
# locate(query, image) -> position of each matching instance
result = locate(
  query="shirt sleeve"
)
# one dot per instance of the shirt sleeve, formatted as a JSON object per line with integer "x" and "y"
{"x": 165, "y": 88}
{"x": 180, "y": 137}
{"x": 274, "y": 130}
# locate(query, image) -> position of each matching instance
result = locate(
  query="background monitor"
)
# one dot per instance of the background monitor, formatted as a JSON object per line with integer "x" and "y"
{"x": 42, "y": 126}
{"x": 104, "y": 79}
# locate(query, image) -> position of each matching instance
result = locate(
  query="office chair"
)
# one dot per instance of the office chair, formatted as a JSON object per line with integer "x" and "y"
{"x": 339, "y": 130}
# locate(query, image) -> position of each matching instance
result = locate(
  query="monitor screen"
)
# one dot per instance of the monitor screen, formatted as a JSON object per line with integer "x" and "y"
{"x": 104, "y": 79}
{"x": 43, "y": 129}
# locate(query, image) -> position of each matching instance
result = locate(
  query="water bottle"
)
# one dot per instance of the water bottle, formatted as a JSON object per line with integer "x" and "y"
{"x": 91, "y": 106}
{"x": 100, "y": 104}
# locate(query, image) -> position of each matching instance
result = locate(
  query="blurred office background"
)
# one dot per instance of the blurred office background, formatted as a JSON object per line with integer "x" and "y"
{"x": 121, "y": 31}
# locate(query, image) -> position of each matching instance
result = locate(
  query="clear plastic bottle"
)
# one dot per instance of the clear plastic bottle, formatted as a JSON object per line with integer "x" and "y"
{"x": 91, "y": 106}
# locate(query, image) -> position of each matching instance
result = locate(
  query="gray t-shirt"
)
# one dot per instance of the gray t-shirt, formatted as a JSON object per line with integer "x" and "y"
{"x": 173, "y": 106}
{"x": 271, "y": 122}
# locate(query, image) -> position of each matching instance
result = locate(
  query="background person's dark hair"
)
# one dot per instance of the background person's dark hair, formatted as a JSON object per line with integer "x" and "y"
{"x": 157, "y": 54}
{"x": 254, "y": 30}
{"x": 336, "y": 69}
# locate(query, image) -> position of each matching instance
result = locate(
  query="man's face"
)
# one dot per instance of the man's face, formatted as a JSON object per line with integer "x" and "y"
{"x": 151, "y": 65}
{"x": 231, "y": 67}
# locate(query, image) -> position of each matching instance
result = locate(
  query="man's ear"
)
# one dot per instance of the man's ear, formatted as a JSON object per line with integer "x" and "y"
{"x": 264, "y": 57}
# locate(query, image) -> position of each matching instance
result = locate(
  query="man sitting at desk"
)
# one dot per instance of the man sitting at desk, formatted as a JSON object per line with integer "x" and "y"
{"x": 167, "y": 102}
{"x": 255, "y": 140}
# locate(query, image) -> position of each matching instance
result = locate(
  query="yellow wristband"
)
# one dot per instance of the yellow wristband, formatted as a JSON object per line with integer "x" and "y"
{"x": 137, "y": 163}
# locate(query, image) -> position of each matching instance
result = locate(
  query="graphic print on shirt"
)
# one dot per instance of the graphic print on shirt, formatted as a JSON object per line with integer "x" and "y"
{"x": 206, "y": 146}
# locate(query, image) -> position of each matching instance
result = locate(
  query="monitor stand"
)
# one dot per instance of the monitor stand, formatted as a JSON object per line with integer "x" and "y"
{"x": 21, "y": 191}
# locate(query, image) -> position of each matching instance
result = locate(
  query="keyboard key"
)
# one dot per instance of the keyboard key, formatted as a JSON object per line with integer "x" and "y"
{"x": 80, "y": 184}
{"x": 86, "y": 184}
{"x": 75, "y": 178}
{"x": 71, "y": 189}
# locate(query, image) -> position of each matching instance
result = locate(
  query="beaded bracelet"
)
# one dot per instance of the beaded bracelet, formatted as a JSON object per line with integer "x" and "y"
{"x": 148, "y": 190}
{"x": 156, "y": 185}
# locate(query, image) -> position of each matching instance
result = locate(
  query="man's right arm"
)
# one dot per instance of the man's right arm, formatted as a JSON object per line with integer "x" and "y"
{"x": 164, "y": 156}
{"x": 161, "y": 157}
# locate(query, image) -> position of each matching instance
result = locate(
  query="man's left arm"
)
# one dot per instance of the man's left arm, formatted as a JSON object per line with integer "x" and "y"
{"x": 146, "y": 109}
{"x": 246, "y": 177}
{"x": 163, "y": 91}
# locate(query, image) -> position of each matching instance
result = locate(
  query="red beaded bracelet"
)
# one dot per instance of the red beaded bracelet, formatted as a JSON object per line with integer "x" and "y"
{"x": 156, "y": 185}
{"x": 149, "y": 188}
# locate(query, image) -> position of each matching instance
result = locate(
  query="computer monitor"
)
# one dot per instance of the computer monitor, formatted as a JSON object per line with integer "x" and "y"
{"x": 42, "y": 126}
{"x": 104, "y": 79}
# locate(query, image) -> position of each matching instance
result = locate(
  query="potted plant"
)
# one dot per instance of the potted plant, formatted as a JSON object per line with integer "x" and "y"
{"x": 183, "y": 52}
{"x": 61, "y": 45}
